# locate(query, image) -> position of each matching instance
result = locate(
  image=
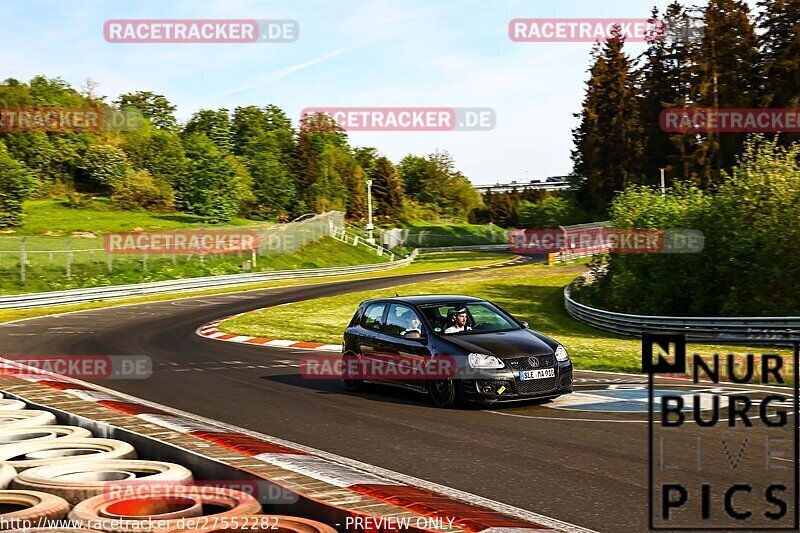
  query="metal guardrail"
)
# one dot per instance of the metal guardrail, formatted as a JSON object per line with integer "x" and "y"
{"x": 466, "y": 248}
{"x": 76, "y": 296}
{"x": 769, "y": 330}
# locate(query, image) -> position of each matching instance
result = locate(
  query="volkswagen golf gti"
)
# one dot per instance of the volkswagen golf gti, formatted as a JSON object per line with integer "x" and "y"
{"x": 454, "y": 348}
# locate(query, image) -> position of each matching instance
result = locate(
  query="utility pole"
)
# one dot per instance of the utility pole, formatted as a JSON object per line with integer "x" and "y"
{"x": 370, "y": 227}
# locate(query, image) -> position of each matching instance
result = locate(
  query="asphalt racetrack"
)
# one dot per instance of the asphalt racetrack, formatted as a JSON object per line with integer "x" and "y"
{"x": 582, "y": 459}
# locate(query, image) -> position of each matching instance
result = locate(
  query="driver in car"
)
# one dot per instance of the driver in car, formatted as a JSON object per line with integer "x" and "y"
{"x": 412, "y": 324}
{"x": 460, "y": 321}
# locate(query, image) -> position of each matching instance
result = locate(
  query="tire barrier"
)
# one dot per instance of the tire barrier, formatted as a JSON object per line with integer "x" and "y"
{"x": 37, "y": 433}
{"x": 79, "y": 481}
{"x": 264, "y": 523}
{"x": 26, "y": 419}
{"x": 11, "y": 405}
{"x": 26, "y": 455}
{"x": 171, "y": 506}
{"x": 7, "y": 474}
{"x": 29, "y": 506}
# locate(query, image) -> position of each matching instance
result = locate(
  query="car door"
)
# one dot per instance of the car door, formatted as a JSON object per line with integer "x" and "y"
{"x": 369, "y": 337}
{"x": 406, "y": 357}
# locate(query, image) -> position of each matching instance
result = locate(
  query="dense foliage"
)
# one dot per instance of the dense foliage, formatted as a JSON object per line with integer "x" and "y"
{"x": 737, "y": 60}
{"x": 250, "y": 162}
{"x": 748, "y": 266}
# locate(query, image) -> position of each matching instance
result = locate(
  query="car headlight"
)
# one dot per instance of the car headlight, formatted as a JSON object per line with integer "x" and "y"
{"x": 561, "y": 353}
{"x": 480, "y": 360}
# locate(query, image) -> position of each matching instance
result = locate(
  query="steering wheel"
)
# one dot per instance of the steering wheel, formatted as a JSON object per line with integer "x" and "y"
{"x": 481, "y": 325}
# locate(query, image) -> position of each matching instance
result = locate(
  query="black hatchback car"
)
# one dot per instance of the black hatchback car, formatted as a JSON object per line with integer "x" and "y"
{"x": 452, "y": 348}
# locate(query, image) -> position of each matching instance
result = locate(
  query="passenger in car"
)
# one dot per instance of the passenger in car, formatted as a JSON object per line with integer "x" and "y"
{"x": 460, "y": 321}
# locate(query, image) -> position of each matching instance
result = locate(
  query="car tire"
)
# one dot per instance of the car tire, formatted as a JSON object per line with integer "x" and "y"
{"x": 31, "y": 506}
{"x": 443, "y": 392}
{"x": 39, "y": 433}
{"x": 352, "y": 385}
{"x": 133, "y": 515}
{"x": 24, "y": 455}
{"x": 79, "y": 481}
{"x": 26, "y": 418}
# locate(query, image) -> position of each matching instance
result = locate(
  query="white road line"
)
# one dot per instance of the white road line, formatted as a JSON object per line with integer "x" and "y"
{"x": 568, "y": 419}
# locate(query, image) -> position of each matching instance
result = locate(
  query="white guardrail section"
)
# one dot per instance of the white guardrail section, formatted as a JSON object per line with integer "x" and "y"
{"x": 75, "y": 296}
{"x": 771, "y": 330}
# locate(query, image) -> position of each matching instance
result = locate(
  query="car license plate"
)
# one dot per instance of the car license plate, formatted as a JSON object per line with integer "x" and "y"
{"x": 539, "y": 373}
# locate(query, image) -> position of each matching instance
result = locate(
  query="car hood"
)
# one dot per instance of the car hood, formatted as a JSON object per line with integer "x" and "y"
{"x": 503, "y": 344}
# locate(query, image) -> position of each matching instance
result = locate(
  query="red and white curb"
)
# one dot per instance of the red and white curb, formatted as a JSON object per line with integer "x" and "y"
{"x": 211, "y": 329}
{"x": 468, "y": 512}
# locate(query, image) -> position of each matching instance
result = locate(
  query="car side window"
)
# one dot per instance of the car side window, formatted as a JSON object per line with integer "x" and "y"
{"x": 372, "y": 316}
{"x": 400, "y": 320}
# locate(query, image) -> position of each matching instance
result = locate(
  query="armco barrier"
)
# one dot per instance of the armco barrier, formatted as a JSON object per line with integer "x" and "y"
{"x": 771, "y": 330}
{"x": 76, "y": 296}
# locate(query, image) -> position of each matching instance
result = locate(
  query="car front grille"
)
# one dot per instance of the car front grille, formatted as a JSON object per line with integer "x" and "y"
{"x": 524, "y": 363}
{"x": 536, "y": 386}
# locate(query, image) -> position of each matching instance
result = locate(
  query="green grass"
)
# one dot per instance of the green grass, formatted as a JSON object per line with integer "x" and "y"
{"x": 99, "y": 216}
{"x": 129, "y": 269}
{"x": 427, "y": 234}
{"x": 531, "y": 293}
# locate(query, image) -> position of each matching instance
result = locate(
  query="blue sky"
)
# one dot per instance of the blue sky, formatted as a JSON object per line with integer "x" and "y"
{"x": 350, "y": 53}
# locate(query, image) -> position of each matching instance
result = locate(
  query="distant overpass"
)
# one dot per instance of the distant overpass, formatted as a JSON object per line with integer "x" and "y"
{"x": 553, "y": 183}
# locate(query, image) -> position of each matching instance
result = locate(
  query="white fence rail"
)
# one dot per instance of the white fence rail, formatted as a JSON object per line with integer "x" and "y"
{"x": 76, "y": 296}
{"x": 770, "y": 330}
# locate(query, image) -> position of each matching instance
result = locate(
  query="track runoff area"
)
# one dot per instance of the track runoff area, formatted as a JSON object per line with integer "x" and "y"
{"x": 670, "y": 451}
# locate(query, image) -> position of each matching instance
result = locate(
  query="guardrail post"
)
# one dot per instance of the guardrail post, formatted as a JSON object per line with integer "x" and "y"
{"x": 110, "y": 262}
{"x": 69, "y": 257}
{"x": 144, "y": 257}
{"x": 22, "y": 259}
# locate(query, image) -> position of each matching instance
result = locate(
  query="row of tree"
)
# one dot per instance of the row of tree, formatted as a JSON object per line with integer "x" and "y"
{"x": 250, "y": 162}
{"x": 739, "y": 59}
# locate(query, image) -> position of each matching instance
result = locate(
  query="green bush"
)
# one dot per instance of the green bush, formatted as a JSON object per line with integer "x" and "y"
{"x": 17, "y": 182}
{"x": 139, "y": 190}
{"x": 752, "y": 244}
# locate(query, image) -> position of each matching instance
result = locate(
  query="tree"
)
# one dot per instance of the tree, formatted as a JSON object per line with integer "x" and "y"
{"x": 780, "y": 54}
{"x": 608, "y": 140}
{"x": 137, "y": 189}
{"x": 103, "y": 165}
{"x": 211, "y": 185}
{"x": 16, "y": 183}
{"x": 726, "y": 76}
{"x": 275, "y": 193}
{"x": 159, "y": 152}
{"x": 154, "y": 107}
{"x": 387, "y": 189}
{"x": 251, "y": 122}
{"x": 216, "y": 125}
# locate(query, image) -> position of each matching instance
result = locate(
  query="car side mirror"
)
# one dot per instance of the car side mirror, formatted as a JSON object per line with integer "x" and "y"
{"x": 413, "y": 335}
{"x": 525, "y": 324}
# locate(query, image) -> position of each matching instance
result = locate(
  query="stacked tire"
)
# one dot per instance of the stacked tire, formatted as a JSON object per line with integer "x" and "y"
{"x": 50, "y": 473}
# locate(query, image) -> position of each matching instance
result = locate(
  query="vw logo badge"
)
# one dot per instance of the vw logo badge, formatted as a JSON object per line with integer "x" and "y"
{"x": 533, "y": 361}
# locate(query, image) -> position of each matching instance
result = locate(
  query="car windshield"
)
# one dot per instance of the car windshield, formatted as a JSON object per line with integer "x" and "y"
{"x": 453, "y": 318}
